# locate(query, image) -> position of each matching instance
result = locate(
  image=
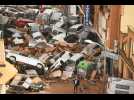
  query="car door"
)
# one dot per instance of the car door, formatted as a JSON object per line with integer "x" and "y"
{"x": 21, "y": 58}
{"x": 32, "y": 61}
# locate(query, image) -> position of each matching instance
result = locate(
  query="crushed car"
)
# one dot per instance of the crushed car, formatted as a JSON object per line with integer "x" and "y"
{"x": 15, "y": 56}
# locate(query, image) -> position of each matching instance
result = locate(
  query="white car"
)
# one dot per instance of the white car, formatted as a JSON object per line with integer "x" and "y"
{"x": 75, "y": 28}
{"x": 34, "y": 27}
{"x": 74, "y": 19}
{"x": 56, "y": 16}
{"x": 18, "y": 57}
{"x": 64, "y": 57}
{"x": 14, "y": 11}
{"x": 59, "y": 34}
{"x": 17, "y": 38}
{"x": 37, "y": 39}
{"x": 37, "y": 36}
{"x": 76, "y": 56}
{"x": 59, "y": 24}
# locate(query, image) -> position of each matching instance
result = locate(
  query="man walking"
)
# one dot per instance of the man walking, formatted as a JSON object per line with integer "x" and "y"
{"x": 76, "y": 82}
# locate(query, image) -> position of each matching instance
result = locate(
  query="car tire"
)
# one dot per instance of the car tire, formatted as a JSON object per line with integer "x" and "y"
{"x": 39, "y": 66}
{"x": 12, "y": 59}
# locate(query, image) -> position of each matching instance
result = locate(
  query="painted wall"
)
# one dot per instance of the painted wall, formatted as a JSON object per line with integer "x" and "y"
{"x": 113, "y": 29}
{"x": 127, "y": 17}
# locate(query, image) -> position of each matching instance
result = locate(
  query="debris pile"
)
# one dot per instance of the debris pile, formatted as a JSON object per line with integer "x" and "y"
{"x": 48, "y": 45}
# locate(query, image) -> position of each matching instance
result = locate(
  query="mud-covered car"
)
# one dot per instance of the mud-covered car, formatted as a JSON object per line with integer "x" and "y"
{"x": 15, "y": 56}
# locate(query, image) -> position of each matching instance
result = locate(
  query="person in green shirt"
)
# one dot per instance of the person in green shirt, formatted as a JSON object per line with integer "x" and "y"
{"x": 83, "y": 67}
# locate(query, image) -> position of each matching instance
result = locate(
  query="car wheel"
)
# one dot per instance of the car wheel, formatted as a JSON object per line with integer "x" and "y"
{"x": 12, "y": 59}
{"x": 40, "y": 66}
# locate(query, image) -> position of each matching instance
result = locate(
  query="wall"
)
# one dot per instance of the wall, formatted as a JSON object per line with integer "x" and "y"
{"x": 127, "y": 20}
{"x": 113, "y": 28}
{"x": 127, "y": 17}
{"x": 100, "y": 21}
{"x": 126, "y": 44}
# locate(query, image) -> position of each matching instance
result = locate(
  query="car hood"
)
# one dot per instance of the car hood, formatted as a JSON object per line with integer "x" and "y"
{"x": 59, "y": 36}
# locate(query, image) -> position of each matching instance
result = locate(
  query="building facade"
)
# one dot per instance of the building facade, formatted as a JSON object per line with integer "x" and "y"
{"x": 127, "y": 45}
{"x": 107, "y": 24}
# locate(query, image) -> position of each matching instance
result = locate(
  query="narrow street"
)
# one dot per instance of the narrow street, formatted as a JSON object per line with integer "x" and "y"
{"x": 66, "y": 87}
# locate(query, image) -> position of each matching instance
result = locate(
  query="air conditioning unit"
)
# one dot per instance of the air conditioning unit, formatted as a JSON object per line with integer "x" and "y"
{"x": 119, "y": 86}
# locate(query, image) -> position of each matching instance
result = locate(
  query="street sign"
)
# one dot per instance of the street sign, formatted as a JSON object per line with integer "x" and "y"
{"x": 110, "y": 55}
{"x": 87, "y": 15}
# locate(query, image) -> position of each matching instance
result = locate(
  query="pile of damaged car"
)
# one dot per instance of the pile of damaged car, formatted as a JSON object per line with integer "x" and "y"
{"x": 47, "y": 47}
